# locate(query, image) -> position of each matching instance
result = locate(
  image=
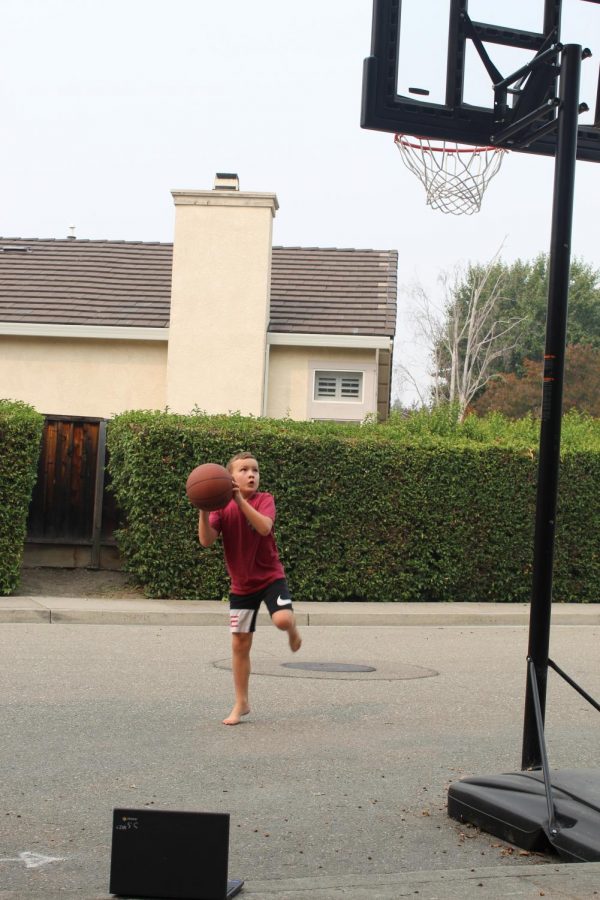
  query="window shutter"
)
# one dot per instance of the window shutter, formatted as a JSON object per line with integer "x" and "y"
{"x": 338, "y": 386}
{"x": 325, "y": 386}
{"x": 350, "y": 387}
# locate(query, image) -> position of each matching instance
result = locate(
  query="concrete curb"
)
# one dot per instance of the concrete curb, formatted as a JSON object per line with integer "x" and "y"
{"x": 108, "y": 611}
{"x": 574, "y": 880}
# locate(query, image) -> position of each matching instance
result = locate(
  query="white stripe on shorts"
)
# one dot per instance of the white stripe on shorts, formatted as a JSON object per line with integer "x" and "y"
{"x": 240, "y": 620}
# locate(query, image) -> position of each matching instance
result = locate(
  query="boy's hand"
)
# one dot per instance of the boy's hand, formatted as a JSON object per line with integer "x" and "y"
{"x": 237, "y": 496}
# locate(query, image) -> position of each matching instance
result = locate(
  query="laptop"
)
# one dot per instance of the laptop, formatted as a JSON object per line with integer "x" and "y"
{"x": 171, "y": 855}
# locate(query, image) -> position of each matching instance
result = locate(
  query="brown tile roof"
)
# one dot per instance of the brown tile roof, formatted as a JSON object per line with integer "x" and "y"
{"x": 73, "y": 282}
{"x": 329, "y": 291}
{"x": 78, "y": 282}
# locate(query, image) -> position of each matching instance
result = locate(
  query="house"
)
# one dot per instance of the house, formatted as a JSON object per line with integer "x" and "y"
{"x": 220, "y": 320}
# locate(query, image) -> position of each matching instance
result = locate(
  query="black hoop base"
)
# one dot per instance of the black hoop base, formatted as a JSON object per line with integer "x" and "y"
{"x": 513, "y": 807}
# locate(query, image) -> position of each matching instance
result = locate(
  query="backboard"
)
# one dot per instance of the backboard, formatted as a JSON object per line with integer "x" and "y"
{"x": 478, "y": 72}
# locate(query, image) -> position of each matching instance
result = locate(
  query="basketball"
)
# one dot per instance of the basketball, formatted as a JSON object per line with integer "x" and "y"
{"x": 209, "y": 487}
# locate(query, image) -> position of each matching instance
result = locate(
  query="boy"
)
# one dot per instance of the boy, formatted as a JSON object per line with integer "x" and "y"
{"x": 246, "y": 525}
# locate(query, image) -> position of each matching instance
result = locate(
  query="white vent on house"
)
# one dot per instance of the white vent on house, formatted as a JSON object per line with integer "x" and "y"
{"x": 226, "y": 181}
{"x": 338, "y": 386}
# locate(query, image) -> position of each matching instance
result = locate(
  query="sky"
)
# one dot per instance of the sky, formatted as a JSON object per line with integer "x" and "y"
{"x": 108, "y": 106}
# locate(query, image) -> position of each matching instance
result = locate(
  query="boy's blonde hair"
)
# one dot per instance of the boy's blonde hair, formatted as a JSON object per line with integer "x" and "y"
{"x": 244, "y": 454}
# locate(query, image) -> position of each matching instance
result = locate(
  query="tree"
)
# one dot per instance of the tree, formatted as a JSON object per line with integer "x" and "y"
{"x": 467, "y": 336}
{"x": 525, "y": 296}
{"x": 517, "y": 295}
{"x": 516, "y": 396}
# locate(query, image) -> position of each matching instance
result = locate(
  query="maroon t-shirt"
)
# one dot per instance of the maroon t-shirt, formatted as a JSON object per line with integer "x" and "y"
{"x": 251, "y": 559}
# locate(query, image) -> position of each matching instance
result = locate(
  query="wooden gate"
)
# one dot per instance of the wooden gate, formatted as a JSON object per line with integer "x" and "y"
{"x": 70, "y": 504}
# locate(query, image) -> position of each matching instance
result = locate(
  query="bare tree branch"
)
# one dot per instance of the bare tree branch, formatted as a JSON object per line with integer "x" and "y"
{"x": 464, "y": 337}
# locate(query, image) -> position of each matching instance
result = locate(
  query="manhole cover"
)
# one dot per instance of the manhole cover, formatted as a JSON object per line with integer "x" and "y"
{"x": 386, "y": 670}
{"x": 328, "y": 667}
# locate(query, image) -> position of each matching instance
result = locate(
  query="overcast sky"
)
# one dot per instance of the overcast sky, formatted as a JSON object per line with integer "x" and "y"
{"x": 108, "y": 106}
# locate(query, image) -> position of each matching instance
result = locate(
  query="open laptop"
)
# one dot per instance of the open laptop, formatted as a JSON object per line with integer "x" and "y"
{"x": 171, "y": 855}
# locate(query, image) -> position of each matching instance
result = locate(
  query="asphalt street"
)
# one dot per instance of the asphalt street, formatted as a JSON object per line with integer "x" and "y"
{"x": 336, "y": 783}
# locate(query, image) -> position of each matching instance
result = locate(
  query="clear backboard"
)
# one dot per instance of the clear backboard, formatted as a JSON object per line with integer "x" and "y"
{"x": 479, "y": 72}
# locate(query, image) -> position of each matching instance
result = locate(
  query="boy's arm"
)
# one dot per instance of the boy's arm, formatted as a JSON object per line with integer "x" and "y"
{"x": 262, "y": 524}
{"x": 206, "y": 533}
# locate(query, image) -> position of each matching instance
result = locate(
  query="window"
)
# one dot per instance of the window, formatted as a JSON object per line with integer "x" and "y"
{"x": 339, "y": 386}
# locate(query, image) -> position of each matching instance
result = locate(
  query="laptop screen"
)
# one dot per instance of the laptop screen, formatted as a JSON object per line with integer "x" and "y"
{"x": 180, "y": 855}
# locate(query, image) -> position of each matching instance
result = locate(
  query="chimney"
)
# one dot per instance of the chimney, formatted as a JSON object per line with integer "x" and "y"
{"x": 220, "y": 299}
{"x": 226, "y": 181}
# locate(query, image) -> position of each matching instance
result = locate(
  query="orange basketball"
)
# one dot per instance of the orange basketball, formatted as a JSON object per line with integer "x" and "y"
{"x": 209, "y": 487}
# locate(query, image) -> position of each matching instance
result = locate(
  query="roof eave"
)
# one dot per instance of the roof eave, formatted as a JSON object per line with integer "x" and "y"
{"x": 347, "y": 341}
{"x": 89, "y": 332}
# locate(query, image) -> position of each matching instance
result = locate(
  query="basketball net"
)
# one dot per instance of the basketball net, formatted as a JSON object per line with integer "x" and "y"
{"x": 454, "y": 176}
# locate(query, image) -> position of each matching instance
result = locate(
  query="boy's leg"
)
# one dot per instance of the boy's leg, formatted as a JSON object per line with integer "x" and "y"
{"x": 279, "y": 603}
{"x": 242, "y": 622}
{"x": 240, "y": 665}
{"x": 286, "y": 621}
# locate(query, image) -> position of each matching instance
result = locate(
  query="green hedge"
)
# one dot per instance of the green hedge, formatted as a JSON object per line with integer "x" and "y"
{"x": 417, "y": 509}
{"x": 21, "y": 430}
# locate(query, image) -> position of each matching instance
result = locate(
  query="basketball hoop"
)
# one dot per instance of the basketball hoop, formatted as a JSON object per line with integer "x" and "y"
{"x": 454, "y": 176}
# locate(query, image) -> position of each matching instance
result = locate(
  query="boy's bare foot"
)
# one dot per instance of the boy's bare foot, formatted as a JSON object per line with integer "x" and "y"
{"x": 295, "y": 640}
{"x": 235, "y": 716}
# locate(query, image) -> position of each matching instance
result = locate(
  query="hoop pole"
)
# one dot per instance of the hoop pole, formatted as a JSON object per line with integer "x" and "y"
{"x": 554, "y": 363}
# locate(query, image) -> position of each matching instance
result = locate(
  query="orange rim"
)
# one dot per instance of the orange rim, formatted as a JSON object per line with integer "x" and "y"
{"x": 401, "y": 139}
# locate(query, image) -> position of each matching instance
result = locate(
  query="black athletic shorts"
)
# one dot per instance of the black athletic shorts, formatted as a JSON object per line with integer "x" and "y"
{"x": 243, "y": 609}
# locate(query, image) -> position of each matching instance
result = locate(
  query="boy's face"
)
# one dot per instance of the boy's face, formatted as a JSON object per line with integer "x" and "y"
{"x": 246, "y": 475}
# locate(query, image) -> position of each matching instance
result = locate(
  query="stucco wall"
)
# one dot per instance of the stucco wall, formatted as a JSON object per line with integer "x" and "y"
{"x": 290, "y": 382}
{"x": 219, "y": 301}
{"x": 83, "y": 377}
